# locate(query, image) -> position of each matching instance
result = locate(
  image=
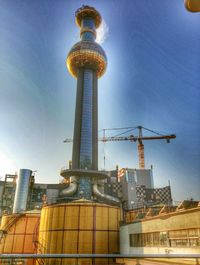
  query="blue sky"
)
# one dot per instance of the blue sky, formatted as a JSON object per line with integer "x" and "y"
{"x": 152, "y": 80}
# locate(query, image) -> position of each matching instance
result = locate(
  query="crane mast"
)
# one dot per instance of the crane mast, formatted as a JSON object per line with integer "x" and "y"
{"x": 140, "y": 149}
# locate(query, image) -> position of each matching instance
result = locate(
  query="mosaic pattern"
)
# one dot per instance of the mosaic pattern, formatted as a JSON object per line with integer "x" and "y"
{"x": 84, "y": 188}
{"x": 162, "y": 195}
{"x": 113, "y": 189}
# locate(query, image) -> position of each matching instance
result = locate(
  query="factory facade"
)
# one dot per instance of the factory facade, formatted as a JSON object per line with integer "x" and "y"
{"x": 162, "y": 230}
{"x": 90, "y": 211}
{"x": 134, "y": 187}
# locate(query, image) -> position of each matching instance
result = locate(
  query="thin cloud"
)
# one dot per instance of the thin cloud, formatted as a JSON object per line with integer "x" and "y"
{"x": 102, "y": 32}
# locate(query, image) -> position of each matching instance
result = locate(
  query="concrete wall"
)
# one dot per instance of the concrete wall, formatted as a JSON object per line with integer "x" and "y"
{"x": 161, "y": 250}
{"x": 129, "y": 194}
{"x": 52, "y": 195}
{"x": 20, "y": 234}
{"x": 144, "y": 177}
{"x": 165, "y": 222}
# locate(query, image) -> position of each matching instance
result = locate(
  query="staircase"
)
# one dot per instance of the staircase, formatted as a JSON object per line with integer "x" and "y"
{"x": 38, "y": 246}
{"x": 13, "y": 220}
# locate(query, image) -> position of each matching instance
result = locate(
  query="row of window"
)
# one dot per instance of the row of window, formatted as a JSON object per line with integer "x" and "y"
{"x": 86, "y": 127}
{"x": 179, "y": 238}
{"x": 81, "y": 59}
{"x": 82, "y": 53}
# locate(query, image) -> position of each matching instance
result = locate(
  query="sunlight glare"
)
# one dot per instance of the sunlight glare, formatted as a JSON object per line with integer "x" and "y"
{"x": 102, "y": 32}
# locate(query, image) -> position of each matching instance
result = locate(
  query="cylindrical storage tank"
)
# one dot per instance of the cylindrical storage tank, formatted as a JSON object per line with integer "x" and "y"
{"x": 21, "y": 194}
{"x": 80, "y": 227}
{"x": 19, "y": 234}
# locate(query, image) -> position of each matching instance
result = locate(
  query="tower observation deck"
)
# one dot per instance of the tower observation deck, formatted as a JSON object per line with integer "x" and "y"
{"x": 87, "y": 62}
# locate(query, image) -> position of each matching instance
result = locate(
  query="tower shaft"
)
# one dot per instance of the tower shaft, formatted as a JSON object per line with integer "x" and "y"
{"x": 85, "y": 143}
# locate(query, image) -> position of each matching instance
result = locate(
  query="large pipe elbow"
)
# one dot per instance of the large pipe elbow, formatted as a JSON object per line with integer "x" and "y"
{"x": 101, "y": 195}
{"x": 71, "y": 189}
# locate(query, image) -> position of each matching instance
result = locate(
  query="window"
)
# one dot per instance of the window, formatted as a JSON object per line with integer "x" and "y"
{"x": 178, "y": 238}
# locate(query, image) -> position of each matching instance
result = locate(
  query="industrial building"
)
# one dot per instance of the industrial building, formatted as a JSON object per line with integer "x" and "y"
{"x": 91, "y": 211}
{"x": 134, "y": 188}
{"x": 161, "y": 230}
{"x": 139, "y": 191}
{"x": 39, "y": 194}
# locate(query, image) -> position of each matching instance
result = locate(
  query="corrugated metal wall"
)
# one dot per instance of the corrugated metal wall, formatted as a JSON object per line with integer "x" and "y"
{"x": 18, "y": 233}
{"x": 79, "y": 228}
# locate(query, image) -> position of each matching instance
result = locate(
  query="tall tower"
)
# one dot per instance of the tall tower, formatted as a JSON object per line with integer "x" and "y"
{"x": 87, "y": 62}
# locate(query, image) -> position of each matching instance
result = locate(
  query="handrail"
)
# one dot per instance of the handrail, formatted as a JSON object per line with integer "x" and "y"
{"x": 10, "y": 223}
{"x": 35, "y": 236}
{"x": 49, "y": 256}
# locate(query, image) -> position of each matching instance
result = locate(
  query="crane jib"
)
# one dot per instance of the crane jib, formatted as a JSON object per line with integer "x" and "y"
{"x": 129, "y": 138}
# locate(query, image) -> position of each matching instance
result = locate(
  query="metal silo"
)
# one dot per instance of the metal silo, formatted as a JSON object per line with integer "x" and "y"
{"x": 21, "y": 194}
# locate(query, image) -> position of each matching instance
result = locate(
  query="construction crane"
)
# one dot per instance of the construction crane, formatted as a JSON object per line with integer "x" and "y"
{"x": 133, "y": 138}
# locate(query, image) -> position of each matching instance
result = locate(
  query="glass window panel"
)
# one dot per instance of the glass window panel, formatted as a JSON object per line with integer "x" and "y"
{"x": 86, "y": 128}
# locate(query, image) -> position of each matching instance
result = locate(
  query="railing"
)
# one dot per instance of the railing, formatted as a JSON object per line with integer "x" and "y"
{"x": 69, "y": 256}
{"x": 36, "y": 244}
{"x": 11, "y": 222}
{"x": 35, "y": 236}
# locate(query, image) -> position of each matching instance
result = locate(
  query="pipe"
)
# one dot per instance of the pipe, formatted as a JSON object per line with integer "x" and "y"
{"x": 71, "y": 189}
{"x": 97, "y": 192}
{"x": 22, "y": 191}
